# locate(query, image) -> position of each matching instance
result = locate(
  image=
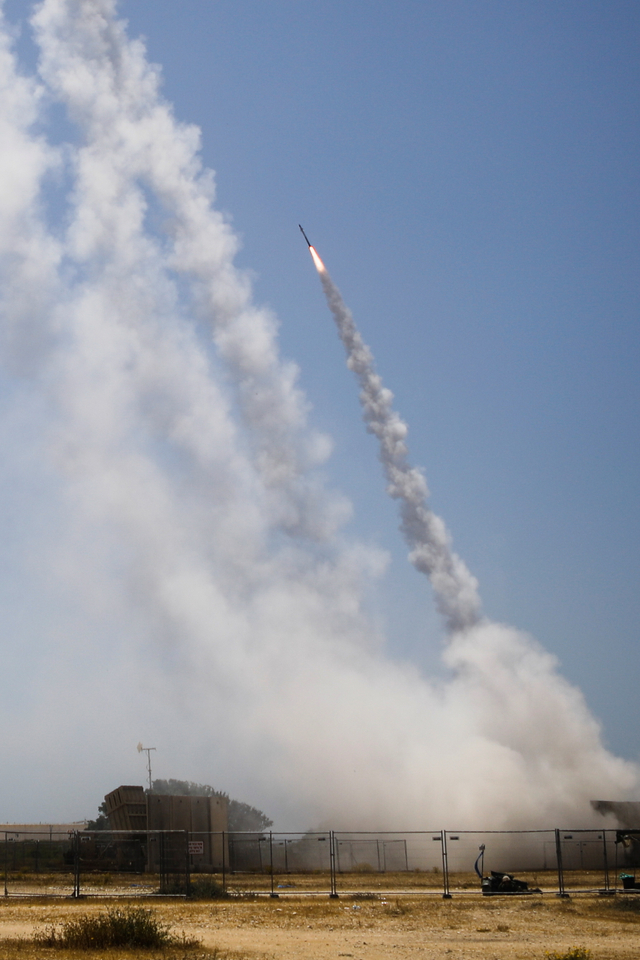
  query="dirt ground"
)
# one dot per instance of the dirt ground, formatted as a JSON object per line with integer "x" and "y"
{"x": 296, "y": 927}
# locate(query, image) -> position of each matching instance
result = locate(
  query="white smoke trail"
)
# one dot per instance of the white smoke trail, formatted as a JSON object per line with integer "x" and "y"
{"x": 170, "y": 605}
{"x": 29, "y": 256}
{"x": 112, "y": 93}
{"x": 456, "y": 590}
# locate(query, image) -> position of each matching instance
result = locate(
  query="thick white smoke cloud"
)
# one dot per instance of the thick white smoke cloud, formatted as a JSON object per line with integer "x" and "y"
{"x": 179, "y": 572}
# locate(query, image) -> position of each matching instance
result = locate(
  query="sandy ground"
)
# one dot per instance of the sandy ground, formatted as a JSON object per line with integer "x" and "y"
{"x": 305, "y": 928}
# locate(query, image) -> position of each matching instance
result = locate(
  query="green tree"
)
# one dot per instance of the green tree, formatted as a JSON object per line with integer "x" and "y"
{"x": 185, "y": 788}
{"x": 102, "y": 820}
{"x": 242, "y": 816}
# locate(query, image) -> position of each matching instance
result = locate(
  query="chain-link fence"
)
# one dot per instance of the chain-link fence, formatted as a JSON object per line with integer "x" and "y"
{"x": 333, "y": 863}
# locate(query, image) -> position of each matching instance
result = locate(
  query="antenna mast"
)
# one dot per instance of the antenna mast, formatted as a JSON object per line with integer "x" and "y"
{"x": 147, "y": 750}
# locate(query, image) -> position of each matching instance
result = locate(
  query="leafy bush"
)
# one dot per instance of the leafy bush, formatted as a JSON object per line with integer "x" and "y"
{"x": 132, "y": 927}
{"x": 206, "y": 888}
{"x": 202, "y": 888}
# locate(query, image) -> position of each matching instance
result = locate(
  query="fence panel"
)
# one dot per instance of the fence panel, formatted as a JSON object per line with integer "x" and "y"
{"x": 366, "y": 863}
{"x": 509, "y": 862}
{"x": 588, "y": 860}
{"x": 301, "y": 862}
{"x": 277, "y": 862}
{"x": 114, "y": 863}
{"x": 42, "y": 863}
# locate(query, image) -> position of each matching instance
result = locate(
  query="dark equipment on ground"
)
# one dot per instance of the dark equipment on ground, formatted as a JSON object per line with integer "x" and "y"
{"x": 498, "y": 882}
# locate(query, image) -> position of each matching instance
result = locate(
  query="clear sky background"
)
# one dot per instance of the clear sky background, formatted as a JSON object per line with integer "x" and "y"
{"x": 469, "y": 173}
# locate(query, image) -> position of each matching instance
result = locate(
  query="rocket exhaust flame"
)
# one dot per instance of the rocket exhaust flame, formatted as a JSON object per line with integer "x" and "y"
{"x": 319, "y": 265}
{"x": 456, "y": 590}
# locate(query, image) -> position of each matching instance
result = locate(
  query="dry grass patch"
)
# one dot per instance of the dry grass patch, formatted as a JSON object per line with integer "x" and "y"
{"x": 21, "y": 949}
{"x": 576, "y": 953}
{"x": 303, "y": 928}
{"x": 132, "y": 927}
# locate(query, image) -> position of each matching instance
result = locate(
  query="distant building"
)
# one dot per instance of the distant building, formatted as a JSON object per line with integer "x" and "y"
{"x": 626, "y": 812}
{"x": 40, "y": 831}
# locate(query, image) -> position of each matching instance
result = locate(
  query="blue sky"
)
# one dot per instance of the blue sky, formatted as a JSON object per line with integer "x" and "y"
{"x": 469, "y": 173}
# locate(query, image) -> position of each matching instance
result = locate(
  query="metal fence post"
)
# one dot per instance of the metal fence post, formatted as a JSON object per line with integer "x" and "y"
{"x": 76, "y": 865}
{"x": 187, "y": 865}
{"x": 606, "y": 860}
{"x": 561, "y": 890}
{"x": 273, "y": 893}
{"x": 6, "y": 855}
{"x": 446, "y": 893}
{"x": 163, "y": 861}
{"x": 332, "y": 864}
{"x": 224, "y": 873}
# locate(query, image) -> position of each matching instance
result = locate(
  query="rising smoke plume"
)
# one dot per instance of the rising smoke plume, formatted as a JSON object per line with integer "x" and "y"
{"x": 173, "y": 567}
{"x": 455, "y": 589}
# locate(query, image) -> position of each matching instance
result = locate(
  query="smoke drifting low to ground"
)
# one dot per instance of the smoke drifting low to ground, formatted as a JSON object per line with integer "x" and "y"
{"x": 191, "y": 579}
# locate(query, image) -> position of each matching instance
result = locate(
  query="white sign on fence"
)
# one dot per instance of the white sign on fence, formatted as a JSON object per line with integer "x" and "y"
{"x": 196, "y": 847}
